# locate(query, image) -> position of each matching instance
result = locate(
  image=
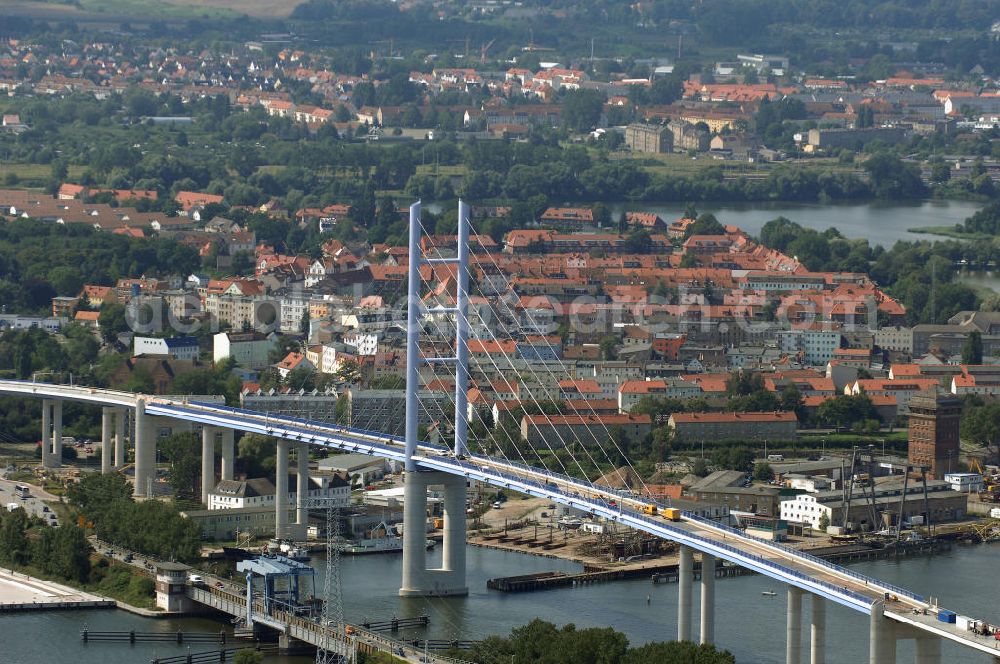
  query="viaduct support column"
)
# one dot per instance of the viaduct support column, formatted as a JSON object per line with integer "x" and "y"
{"x": 207, "y": 462}
{"x": 881, "y": 636}
{"x": 928, "y": 649}
{"x": 685, "y": 567}
{"x": 817, "y": 650}
{"x": 55, "y": 459}
{"x": 228, "y": 453}
{"x": 145, "y": 451}
{"x": 453, "y": 563}
{"x": 449, "y": 579}
{"x": 121, "y": 436}
{"x": 302, "y": 490}
{"x": 281, "y": 491}
{"x": 107, "y": 426}
{"x": 793, "y": 646}
{"x": 414, "y": 535}
{"x": 707, "y": 598}
{"x": 46, "y": 433}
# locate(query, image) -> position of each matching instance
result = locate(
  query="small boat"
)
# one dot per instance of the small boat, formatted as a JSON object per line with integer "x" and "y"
{"x": 380, "y": 539}
{"x": 569, "y": 523}
{"x": 768, "y": 593}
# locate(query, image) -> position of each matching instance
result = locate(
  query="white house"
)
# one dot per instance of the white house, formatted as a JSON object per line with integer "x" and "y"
{"x": 179, "y": 348}
{"x": 259, "y": 492}
{"x": 248, "y": 349}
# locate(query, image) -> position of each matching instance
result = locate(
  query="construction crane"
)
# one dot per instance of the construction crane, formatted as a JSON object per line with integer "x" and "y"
{"x": 869, "y": 462}
{"x": 484, "y": 49}
{"x": 465, "y": 41}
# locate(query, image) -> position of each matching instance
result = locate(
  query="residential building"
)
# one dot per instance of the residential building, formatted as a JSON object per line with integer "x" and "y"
{"x": 179, "y": 348}
{"x": 554, "y": 431}
{"x": 633, "y": 391}
{"x": 248, "y": 349}
{"x": 853, "y": 139}
{"x": 817, "y": 345}
{"x": 259, "y": 492}
{"x": 898, "y": 339}
{"x": 728, "y": 487}
{"x": 385, "y": 410}
{"x": 64, "y": 307}
{"x": 755, "y": 427}
{"x": 689, "y": 137}
{"x": 640, "y": 137}
{"x": 314, "y": 405}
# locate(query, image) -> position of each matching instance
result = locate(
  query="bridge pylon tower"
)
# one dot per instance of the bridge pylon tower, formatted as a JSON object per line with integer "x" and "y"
{"x": 449, "y": 579}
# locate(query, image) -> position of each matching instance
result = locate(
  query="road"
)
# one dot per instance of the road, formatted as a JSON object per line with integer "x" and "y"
{"x": 34, "y": 504}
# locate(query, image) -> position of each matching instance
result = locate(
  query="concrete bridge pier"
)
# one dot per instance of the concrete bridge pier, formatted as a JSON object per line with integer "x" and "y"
{"x": 793, "y": 625}
{"x": 46, "y": 433}
{"x": 107, "y": 429}
{"x": 228, "y": 453}
{"x": 449, "y": 580}
{"x": 51, "y": 433}
{"x": 302, "y": 490}
{"x": 208, "y": 435}
{"x": 881, "y": 636}
{"x": 707, "y": 598}
{"x": 817, "y": 649}
{"x": 145, "y": 451}
{"x": 928, "y": 650}
{"x": 121, "y": 436}
{"x": 57, "y": 434}
{"x": 685, "y": 575}
{"x": 455, "y": 532}
{"x": 281, "y": 491}
{"x": 288, "y": 645}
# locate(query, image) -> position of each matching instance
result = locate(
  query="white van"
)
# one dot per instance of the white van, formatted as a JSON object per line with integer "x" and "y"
{"x": 196, "y": 579}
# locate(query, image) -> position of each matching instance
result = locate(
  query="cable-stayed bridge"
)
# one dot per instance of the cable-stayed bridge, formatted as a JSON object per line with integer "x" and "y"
{"x": 895, "y": 613}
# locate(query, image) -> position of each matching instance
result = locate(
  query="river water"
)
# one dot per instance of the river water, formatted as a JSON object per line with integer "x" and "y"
{"x": 748, "y": 624}
{"x": 883, "y": 223}
{"x": 880, "y": 223}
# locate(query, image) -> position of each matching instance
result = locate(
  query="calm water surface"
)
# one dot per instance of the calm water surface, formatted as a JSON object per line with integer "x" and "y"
{"x": 879, "y": 223}
{"x": 748, "y": 624}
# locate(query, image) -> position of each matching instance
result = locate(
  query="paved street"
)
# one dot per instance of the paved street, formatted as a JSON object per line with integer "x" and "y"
{"x": 34, "y": 504}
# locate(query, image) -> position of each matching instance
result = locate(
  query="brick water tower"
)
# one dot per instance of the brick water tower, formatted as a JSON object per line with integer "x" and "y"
{"x": 933, "y": 433}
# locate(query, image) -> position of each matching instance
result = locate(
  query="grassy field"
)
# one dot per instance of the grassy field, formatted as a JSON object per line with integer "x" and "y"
{"x": 431, "y": 169}
{"x": 144, "y": 10}
{"x": 949, "y": 231}
{"x": 257, "y": 8}
{"x": 36, "y": 172}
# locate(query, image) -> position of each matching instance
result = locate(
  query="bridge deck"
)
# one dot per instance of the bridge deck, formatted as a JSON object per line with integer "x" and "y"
{"x": 833, "y": 582}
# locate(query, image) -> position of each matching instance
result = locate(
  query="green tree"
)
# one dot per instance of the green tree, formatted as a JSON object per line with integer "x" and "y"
{"x": 705, "y": 224}
{"x": 183, "y": 451}
{"x": 824, "y": 521}
{"x": 112, "y": 321}
{"x": 256, "y": 455}
{"x": 248, "y": 656}
{"x": 762, "y": 472}
{"x": 582, "y": 109}
{"x": 95, "y": 493}
{"x": 972, "y": 349}
{"x": 981, "y": 424}
{"x": 13, "y": 541}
